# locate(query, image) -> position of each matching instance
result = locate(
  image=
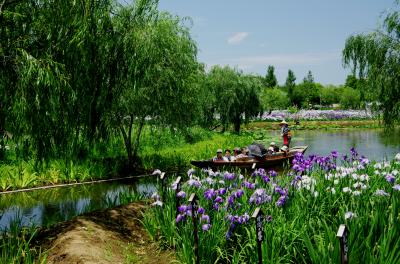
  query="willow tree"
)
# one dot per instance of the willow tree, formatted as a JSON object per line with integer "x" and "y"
{"x": 237, "y": 95}
{"x": 159, "y": 71}
{"x": 379, "y": 62}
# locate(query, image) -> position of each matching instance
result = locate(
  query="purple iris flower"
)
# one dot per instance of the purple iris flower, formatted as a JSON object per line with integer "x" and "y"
{"x": 273, "y": 173}
{"x": 334, "y": 154}
{"x": 239, "y": 193}
{"x": 205, "y": 218}
{"x": 231, "y": 199}
{"x": 248, "y": 185}
{"x": 218, "y": 199}
{"x": 181, "y": 194}
{"x": 266, "y": 179}
{"x": 281, "y": 201}
{"x": 268, "y": 218}
{"x": 390, "y": 178}
{"x": 200, "y": 210}
{"x": 216, "y": 207}
{"x": 183, "y": 208}
{"x": 221, "y": 191}
{"x": 206, "y": 227}
{"x": 179, "y": 218}
{"x": 396, "y": 187}
{"x": 194, "y": 182}
{"x": 353, "y": 152}
{"x": 209, "y": 194}
{"x": 229, "y": 176}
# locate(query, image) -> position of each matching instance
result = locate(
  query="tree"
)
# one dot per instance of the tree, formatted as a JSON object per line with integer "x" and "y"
{"x": 309, "y": 79}
{"x": 160, "y": 77}
{"x": 270, "y": 78}
{"x": 350, "y": 98}
{"x": 307, "y": 92}
{"x": 376, "y": 56}
{"x": 74, "y": 72}
{"x": 237, "y": 95}
{"x": 273, "y": 99}
{"x": 290, "y": 85}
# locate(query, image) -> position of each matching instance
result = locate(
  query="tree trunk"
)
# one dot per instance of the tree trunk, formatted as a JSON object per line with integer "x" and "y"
{"x": 128, "y": 140}
{"x": 137, "y": 139}
{"x": 237, "y": 125}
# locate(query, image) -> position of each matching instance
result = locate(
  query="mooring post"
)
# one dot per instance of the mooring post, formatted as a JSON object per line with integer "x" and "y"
{"x": 178, "y": 189}
{"x": 259, "y": 217}
{"x": 342, "y": 234}
{"x": 194, "y": 202}
{"x": 162, "y": 178}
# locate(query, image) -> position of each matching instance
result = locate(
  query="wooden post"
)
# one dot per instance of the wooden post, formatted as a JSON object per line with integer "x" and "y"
{"x": 194, "y": 201}
{"x": 259, "y": 217}
{"x": 162, "y": 178}
{"x": 178, "y": 189}
{"x": 342, "y": 234}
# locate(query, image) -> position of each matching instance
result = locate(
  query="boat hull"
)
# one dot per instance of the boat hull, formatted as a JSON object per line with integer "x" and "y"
{"x": 266, "y": 162}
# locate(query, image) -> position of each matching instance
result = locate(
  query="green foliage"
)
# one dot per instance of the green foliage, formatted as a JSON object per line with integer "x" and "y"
{"x": 270, "y": 79}
{"x": 275, "y": 98}
{"x": 349, "y": 98}
{"x": 375, "y": 57}
{"x": 237, "y": 95}
{"x": 330, "y": 94}
{"x": 290, "y": 85}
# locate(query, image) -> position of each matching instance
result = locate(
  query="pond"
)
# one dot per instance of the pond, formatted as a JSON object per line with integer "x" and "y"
{"x": 44, "y": 207}
{"x": 375, "y": 144}
{"x": 48, "y": 206}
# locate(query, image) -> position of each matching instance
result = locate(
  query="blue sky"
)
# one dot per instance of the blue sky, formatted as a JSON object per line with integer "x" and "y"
{"x": 300, "y": 35}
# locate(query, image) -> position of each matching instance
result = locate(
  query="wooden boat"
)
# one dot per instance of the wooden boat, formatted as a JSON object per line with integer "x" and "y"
{"x": 266, "y": 161}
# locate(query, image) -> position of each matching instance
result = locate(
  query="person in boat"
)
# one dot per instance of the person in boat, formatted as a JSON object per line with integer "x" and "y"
{"x": 236, "y": 152}
{"x": 244, "y": 153}
{"x": 285, "y": 150}
{"x": 219, "y": 156}
{"x": 273, "y": 148}
{"x": 228, "y": 155}
{"x": 285, "y": 133}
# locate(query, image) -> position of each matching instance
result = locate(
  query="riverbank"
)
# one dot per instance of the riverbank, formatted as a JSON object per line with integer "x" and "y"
{"x": 108, "y": 236}
{"x": 316, "y": 124}
{"x": 160, "y": 148}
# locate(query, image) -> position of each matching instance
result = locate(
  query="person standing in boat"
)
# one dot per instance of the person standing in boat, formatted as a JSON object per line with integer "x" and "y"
{"x": 285, "y": 133}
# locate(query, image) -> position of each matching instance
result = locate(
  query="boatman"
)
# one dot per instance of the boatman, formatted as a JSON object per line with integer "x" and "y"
{"x": 285, "y": 133}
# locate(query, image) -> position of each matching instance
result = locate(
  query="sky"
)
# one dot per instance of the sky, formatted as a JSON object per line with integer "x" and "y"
{"x": 300, "y": 35}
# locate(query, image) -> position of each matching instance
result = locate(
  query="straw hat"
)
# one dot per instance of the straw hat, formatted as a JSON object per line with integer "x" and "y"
{"x": 283, "y": 122}
{"x": 219, "y": 150}
{"x": 272, "y": 143}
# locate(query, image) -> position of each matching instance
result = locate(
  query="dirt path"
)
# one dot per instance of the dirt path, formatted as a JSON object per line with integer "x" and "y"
{"x": 109, "y": 236}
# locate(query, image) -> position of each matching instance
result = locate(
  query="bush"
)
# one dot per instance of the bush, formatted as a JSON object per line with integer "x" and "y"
{"x": 274, "y": 99}
{"x": 350, "y": 98}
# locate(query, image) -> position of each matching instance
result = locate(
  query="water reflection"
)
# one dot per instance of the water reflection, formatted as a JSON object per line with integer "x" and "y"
{"x": 376, "y": 144}
{"x": 49, "y": 206}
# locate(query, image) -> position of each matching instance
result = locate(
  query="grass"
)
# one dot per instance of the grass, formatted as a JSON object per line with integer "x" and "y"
{"x": 15, "y": 246}
{"x": 301, "y": 231}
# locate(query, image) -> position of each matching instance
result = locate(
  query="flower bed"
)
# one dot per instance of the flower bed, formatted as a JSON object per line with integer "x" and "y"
{"x": 303, "y": 209}
{"x": 277, "y": 115}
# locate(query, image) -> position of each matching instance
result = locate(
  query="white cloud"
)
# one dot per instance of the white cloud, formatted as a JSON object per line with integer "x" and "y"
{"x": 238, "y": 37}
